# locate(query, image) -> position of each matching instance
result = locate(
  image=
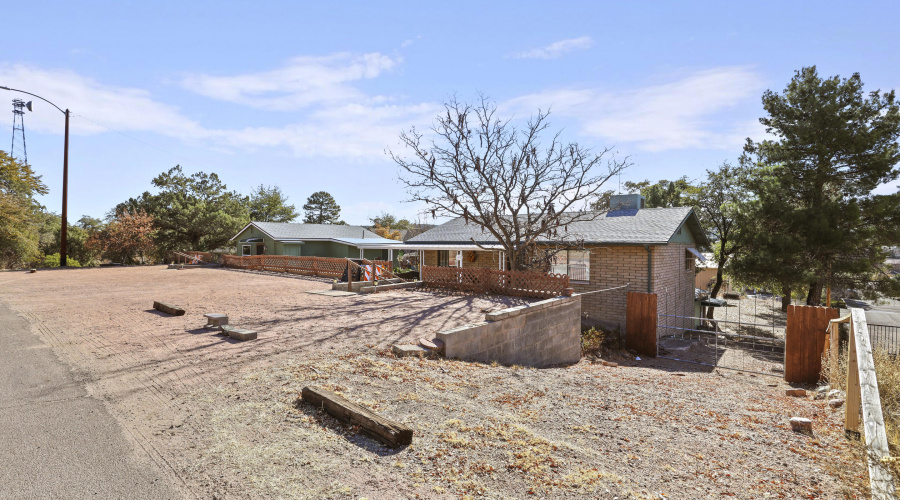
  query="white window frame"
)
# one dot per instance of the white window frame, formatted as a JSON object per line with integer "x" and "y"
{"x": 587, "y": 267}
{"x": 566, "y": 268}
{"x": 245, "y": 250}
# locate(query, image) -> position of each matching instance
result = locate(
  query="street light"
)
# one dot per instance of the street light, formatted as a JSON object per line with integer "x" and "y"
{"x": 65, "y": 224}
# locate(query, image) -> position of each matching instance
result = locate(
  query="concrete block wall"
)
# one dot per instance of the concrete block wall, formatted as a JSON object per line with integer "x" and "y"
{"x": 539, "y": 334}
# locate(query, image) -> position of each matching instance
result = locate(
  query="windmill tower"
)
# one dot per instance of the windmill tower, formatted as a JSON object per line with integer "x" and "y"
{"x": 17, "y": 150}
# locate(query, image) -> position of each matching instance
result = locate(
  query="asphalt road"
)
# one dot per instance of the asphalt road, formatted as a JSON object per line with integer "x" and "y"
{"x": 55, "y": 440}
{"x": 885, "y": 312}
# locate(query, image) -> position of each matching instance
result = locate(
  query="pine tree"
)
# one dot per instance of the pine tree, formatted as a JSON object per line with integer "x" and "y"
{"x": 811, "y": 217}
{"x": 320, "y": 208}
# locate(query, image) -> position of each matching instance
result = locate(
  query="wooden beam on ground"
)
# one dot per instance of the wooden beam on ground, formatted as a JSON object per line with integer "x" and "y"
{"x": 389, "y": 432}
{"x": 880, "y": 478}
{"x": 168, "y": 308}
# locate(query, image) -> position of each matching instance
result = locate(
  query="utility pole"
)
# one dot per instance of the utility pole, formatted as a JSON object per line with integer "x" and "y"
{"x": 65, "y": 201}
{"x": 64, "y": 230}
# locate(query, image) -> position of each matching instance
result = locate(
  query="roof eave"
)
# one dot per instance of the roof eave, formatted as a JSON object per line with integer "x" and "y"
{"x": 251, "y": 223}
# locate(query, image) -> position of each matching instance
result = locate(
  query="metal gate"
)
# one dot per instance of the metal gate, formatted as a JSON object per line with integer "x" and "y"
{"x": 746, "y": 334}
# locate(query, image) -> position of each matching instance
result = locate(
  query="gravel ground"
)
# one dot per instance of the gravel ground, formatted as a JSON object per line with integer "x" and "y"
{"x": 223, "y": 419}
{"x": 756, "y": 316}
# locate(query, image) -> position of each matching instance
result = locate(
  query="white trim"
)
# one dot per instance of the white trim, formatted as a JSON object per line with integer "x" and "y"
{"x": 463, "y": 247}
{"x": 257, "y": 227}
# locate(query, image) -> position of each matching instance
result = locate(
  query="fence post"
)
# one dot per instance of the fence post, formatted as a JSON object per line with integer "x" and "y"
{"x": 851, "y": 415}
{"x": 349, "y": 276}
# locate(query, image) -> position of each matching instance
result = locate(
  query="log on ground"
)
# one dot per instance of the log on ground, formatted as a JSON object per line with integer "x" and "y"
{"x": 389, "y": 432}
{"x": 168, "y": 308}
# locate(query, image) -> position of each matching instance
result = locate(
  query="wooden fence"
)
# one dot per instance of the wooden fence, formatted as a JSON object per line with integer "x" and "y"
{"x": 315, "y": 266}
{"x": 485, "y": 280}
{"x": 804, "y": 342}
{"x": 640, "y": 323}
{"x": 863, "y": 396}
{"x": 331, "y": 267}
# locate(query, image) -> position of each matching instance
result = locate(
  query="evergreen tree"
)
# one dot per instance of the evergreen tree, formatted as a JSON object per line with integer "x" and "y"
{"x": 320, "y": 208}
{"x": 811, "y": 218}
{"x": 268, "y": 204}
{"x": 195, "y": 212}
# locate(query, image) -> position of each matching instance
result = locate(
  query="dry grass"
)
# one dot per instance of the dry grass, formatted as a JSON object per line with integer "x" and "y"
{"x": 887, "y": 369}
{"x": 511, "y": 432}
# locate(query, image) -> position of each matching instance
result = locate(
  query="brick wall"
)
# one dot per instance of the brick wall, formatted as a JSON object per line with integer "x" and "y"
{"x": 430, "y": 258}
{"x": 490, "y": 260}
{"x": 673, "y": 283}
{"x": 610, "y": 267}
{"x": 539, "y": 334}
{"x": 486, "y": 259}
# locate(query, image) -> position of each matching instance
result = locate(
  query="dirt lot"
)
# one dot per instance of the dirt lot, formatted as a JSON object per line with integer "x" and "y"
{"x": 222, "y": 418}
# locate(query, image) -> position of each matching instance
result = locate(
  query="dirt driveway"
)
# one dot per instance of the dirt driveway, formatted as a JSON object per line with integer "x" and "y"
{"x": 221, "y": 417}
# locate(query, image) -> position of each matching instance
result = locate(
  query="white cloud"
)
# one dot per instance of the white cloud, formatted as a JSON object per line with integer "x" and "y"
{"x": 302, "y": 82}
{"x": 685, "y": 113}
{"x": 350, "y": 131}
{"x": 119, "y": 108}
{"x": 557, "y": 49}
{"x": 354, "y": 126}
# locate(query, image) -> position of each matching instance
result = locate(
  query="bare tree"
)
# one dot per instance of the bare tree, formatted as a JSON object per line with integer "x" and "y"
{"x": 522, "y": 186}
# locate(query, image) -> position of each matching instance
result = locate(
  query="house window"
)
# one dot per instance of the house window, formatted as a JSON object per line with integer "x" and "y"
{"x": 688, "y": 260}
{"x": 443, "y": 258}
{"x": 574, "y": 263}
{"x": 245, "y": 250}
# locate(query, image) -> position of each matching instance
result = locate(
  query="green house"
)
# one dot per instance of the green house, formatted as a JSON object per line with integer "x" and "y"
{"x": 313, "y": 240}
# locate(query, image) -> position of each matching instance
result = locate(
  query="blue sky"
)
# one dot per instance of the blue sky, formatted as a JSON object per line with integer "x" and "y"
{"x": 309, "y": 96}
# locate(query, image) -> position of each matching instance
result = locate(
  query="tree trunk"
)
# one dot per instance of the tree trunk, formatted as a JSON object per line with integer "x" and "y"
{"x": 785, "y": 298}
{"x": 814, "y": 297}
{"x": 720, "y": 278}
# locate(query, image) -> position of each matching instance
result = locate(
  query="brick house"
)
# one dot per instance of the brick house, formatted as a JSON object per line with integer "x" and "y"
{"x": 650, "y": 249}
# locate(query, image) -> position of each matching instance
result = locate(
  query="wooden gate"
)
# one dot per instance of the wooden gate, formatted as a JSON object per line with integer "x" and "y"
{"x": 640, "y": 323}
{"x": 804, "y": 342}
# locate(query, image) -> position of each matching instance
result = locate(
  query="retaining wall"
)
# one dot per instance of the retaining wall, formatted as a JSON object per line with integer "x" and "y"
{"x": 539, "y": 334}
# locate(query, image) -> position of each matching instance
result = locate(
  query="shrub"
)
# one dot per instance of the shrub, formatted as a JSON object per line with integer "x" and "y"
{"x": 596, "y": 340}
{"x": 52, "y": 260}
{"x": 887, "y": 369}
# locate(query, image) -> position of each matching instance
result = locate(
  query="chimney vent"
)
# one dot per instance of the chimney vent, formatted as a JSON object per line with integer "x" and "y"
{"x": 626, "y": 201}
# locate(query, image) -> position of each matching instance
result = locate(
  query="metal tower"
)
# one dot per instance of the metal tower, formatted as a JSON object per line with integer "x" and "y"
{"x": 18, "y": 150}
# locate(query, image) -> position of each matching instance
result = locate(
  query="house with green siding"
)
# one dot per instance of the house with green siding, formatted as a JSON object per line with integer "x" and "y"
{"x": 313, "y": 240}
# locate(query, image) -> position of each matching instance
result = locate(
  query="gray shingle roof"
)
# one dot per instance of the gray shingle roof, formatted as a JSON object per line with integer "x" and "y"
{"x": 297, "y": 231}
{"x": 626, "y": 226}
